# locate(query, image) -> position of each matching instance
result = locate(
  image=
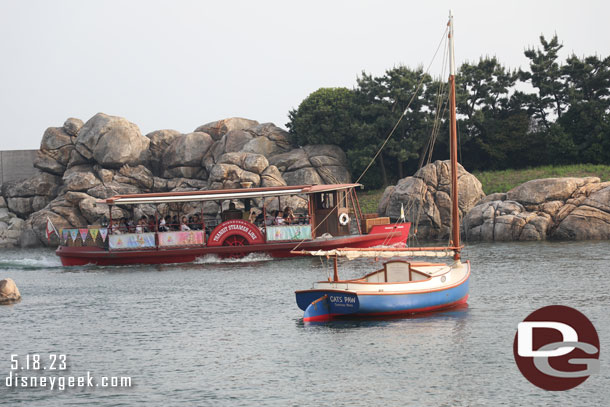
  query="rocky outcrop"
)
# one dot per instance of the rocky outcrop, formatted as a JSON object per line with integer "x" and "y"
{"x": 159, "y": 141}
{"x": 57, "y": 146}
{"x": 9, "y": 293}
{"x": 82, "y": 163}
{"x": 182, "y": 157}
{"x": 31, "y": 195}
{"x": 11, "y": 226}
{"x": 219, "y": 128}
{"x": 552, "y": 208}
{"x": 315, "y": 164}
{"x": 112, "y": 141}
{"x": 426, "y": 199}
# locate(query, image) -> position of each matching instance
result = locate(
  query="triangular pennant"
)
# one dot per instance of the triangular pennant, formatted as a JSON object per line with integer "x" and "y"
{"x": 93, "y": 233}
{"x": 83, "y": 234}
{"x": 103, "y": 233}
{"x": 65, "y": 233}
{"x": 73, "y": 234}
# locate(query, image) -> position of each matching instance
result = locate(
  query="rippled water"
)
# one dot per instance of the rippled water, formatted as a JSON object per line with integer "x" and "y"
{"x": 229, "y": 333}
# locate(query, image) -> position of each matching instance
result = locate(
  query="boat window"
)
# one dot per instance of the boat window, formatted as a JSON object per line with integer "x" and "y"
{"x": 327, "y": 200}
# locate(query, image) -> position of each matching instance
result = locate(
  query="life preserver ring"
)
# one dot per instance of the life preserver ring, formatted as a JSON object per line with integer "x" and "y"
{"x": 344, "y": 219}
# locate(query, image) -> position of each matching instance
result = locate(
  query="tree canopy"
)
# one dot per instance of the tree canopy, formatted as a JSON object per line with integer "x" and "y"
{"x": 564, "y": 118}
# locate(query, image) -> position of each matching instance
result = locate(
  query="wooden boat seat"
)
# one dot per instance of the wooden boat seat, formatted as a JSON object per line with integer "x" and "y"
{"x": 399, "y": 270}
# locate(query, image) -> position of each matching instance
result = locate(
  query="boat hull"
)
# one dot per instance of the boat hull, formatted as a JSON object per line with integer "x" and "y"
{"x": 78, "y": 256}
{"x": 387, "y": 304}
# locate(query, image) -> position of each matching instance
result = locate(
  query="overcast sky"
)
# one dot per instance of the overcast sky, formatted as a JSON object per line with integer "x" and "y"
{"x": 179, "y": 64}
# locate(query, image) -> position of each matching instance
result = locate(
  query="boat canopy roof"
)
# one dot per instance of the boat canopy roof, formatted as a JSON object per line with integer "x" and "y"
{"x": 385, "y": 252}
{"x": 222, "y": 194}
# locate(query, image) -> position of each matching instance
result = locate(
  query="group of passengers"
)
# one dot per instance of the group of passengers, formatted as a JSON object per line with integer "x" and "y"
{"x": 165, "y": 224}
{"x": 169, "y": 224}
{"x": 278, "y": 218}
{"x": 194, "y": 222}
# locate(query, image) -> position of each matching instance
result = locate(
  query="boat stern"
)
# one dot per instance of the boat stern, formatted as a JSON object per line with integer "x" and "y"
{"x": 324, "y": 305}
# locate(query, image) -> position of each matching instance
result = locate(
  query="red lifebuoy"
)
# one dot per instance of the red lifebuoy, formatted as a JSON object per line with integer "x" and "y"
{"x": 232, "y": 228}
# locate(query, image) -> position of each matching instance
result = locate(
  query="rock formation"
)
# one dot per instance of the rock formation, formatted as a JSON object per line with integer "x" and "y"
{"x": 9, "y": 293}
{"x": 552, "y": 208}
{"x": 426, "y": 199}
{"x": 80, "y": 163}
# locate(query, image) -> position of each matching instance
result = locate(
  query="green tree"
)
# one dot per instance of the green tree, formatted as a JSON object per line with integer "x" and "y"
{"x": 324, "y": 117}
{"x": 546, "y": 76}
{"x": 383, "y": 100}
{"x": 494, "y": 122}
{"x": 587, "y": 119}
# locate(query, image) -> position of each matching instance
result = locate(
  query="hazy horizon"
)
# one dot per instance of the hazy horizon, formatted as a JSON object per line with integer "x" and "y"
{"x": 181, "y": 64}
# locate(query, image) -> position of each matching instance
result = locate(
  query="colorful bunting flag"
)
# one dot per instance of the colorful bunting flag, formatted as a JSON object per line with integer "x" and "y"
{"x": 93, "y": 233}
{"x": 103, "y": 233}
{"x": 83, "y": 234}
{"x": 73, "y": 234}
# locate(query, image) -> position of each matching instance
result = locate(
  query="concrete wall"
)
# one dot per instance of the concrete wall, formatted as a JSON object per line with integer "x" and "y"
{"x": 17, "y": 165}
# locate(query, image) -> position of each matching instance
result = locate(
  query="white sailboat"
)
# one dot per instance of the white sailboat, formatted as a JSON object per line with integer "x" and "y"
{"x": 401, "y": 286}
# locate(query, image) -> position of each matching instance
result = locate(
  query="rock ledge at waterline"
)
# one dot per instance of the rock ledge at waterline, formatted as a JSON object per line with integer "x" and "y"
{"x": 9, "y": 293}
{"x": 551, "y": 208}
{"x": 80, "y": 163}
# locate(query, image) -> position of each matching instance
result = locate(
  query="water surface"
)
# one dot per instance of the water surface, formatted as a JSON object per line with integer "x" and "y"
{"x": 230, "y": 333}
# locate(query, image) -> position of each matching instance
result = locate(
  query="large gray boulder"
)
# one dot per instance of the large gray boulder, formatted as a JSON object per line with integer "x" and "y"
{"x": 589, "y": 220}
{"x": 182, "y": 158}
{"x": 11, "y": 226}
{"x": 159, "y": 141}
{"x": 42, "y": 183}
{"x": 315, "y": 164}
{"x": 272, "y": 177}
{"x": 25, "y": 197}
{"x": 426, "y": 199}
{"x": 505, "y": 221}
{"x": 281, "y": 139}
{"x": 112, "y": 142}
{"x": 139, "y": 176}
{"x": 551, "y": 208}
{"x": 248, "y": 161}
{"x": 538, "y": 191}
{"x": 219, "y": 128}
{"x": 56, "y": 147}
{"x": 80, "y": 178}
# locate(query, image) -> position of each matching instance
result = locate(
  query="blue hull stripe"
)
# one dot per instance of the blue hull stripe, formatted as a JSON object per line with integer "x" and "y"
{"x": 393, "y": 303}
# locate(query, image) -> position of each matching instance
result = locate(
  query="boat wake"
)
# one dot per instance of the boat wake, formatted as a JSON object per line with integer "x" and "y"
{"x": 30, "y": 263}
{"x": 214, "y": 259}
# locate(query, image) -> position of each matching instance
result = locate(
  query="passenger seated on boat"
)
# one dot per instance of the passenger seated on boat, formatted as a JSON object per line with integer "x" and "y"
{"x": 270, "y": 219}
{"x": 150, "y": 225}
{"x": 259, "y": 220}
{"x": 231, "y": 213}
{"x": 123, "y": 227}
{"x": 115, "y": 229}
{"x": 288, "y": 216}
{"x": 183, "y": 226}
{"x": 142, "y": 226}
{"x": 279, "y": 219}
{"x": 162, "y": 224}
{"x": 196, "y": 224}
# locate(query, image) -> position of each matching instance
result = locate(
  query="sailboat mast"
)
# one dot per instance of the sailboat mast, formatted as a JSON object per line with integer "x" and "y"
{"x": 455, "y": 215}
